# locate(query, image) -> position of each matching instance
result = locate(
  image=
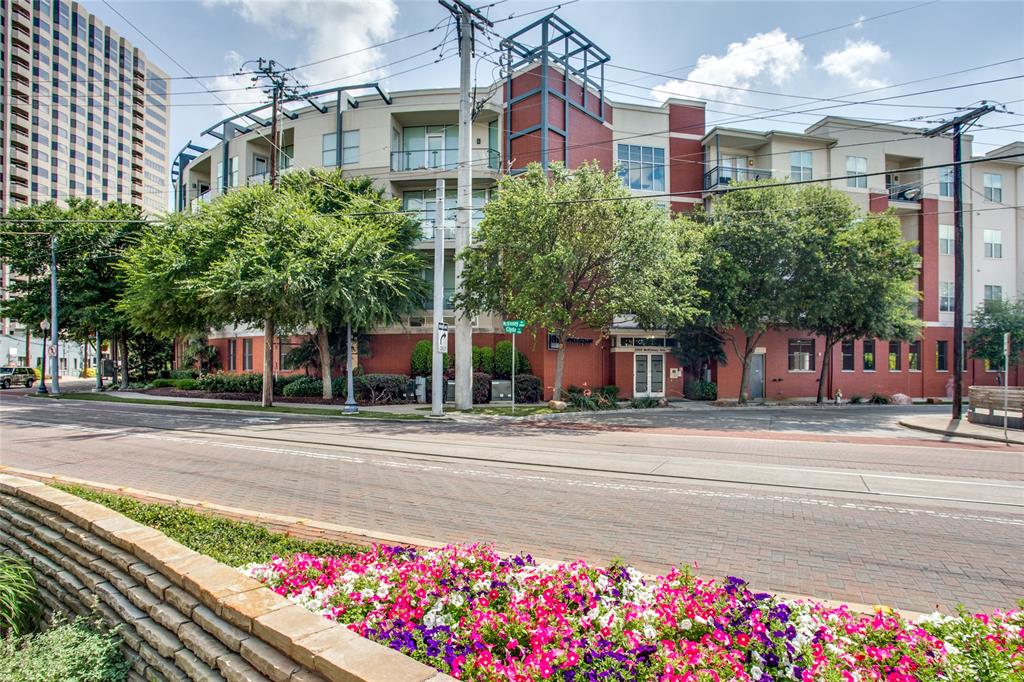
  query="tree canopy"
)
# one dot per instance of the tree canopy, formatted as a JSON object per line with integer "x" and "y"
{"x": 991, "y": 321}
{"x": 571, "y": 250}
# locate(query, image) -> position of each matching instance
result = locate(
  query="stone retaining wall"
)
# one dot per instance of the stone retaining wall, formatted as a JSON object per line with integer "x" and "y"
{"x": 182, "y": 615}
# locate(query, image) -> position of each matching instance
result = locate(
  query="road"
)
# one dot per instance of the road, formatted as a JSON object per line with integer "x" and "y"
{"x": 830, "y": 503}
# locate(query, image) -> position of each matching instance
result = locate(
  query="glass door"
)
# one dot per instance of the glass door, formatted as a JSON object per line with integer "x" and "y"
{"x": 649, "y": 375}
{"x": 641, "y": 372}
{"x": 435, "y": 150}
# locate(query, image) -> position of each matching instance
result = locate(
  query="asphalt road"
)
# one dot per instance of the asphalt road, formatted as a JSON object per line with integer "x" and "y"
{"x": 837, "y": 504}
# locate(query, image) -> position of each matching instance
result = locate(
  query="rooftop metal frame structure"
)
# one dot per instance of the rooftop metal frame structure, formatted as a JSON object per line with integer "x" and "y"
{"x": 575, "y": 55}
{"x": 243, "y": 122}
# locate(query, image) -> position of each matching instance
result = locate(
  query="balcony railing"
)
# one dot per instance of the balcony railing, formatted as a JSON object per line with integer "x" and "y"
{"x": 727, "y": 175}
{"x": 201, "y": 199}
{"x": 442, "y": 159}
{"x": 427, "y": 230}
{"x": 905, "y": 191}
{"x": 258, "y": 178}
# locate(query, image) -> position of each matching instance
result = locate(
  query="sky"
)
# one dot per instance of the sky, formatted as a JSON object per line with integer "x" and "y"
{"x": 797, "y": 55}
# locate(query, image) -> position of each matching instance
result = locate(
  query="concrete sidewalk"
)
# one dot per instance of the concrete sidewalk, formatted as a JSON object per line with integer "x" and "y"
{"x": 961, "y": 428}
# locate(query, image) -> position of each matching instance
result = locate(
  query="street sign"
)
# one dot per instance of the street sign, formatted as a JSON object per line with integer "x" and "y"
{"x": 51, "y": 350}
{"x": 514, "y": 326}
{"x": 442, "y": 337}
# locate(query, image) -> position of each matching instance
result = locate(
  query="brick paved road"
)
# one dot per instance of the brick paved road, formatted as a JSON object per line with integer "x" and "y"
{"x": 912, "y": 554}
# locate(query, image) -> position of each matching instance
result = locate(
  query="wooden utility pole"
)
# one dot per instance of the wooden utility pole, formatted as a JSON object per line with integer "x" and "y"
{"x": 957, "y": 126}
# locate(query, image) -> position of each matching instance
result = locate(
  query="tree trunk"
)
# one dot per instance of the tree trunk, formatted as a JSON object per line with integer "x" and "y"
{"x": 748, "y": 350}
{"x": 268, "y": 363}
{"x": 826, "y": 361}
{"x": 559, "y": 366}
{"x": 124, "y": 359}
{"x": 323, "y": 344}
{"x": 28, "y": 347}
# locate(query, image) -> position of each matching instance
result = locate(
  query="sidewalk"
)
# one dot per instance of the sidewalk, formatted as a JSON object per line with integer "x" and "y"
{"x": 961, "y": 428}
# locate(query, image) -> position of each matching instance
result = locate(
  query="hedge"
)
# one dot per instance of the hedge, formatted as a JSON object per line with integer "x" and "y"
{"x": 383, "y": 389}
{"x": 503, "y": 361}
{"x": 483, "y": 359}
{"x": 423, "y": 358}
{"x": 698, "y": 389}
{"x": 528, "y": 388}
{"x": 249, "y": 382}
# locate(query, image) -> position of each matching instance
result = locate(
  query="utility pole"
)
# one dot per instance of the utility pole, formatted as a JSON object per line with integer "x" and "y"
{"x": 466, "y": 18}
{"x": 55, "y": 329}
{"x": 957, "y": 126}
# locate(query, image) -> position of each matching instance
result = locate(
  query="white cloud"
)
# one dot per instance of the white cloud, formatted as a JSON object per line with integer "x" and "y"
{"x": 323, "y": 29}
{"x": 772, "y": 54}
{"x": 856, "y": 62}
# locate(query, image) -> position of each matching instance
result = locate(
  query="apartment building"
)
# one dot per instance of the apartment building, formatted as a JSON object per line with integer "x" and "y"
{"x": 787, "y": 363}
{"x": 84, "y": 114}
{"x": 552, "y": 107}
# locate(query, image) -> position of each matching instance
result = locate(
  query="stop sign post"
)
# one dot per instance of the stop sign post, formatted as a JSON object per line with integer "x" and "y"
{"x": 514, "y": 327}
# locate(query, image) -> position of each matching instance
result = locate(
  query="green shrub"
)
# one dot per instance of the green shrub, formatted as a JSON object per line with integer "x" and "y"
{"x": 182, "y": 374}
{"x": 503, "y": 361}
{"x": 856, "y": 399}
{"x": 18, "y": 607}
{"x": 383, "y": 389}
{"x": 281, "y": 382}
{"x": 187, "y": 384}
{"x": 483, "y": 359}
{"x": 233, "y": 542}
{"x": 224, "y": 382}
{"x": 481, "y": 388}
{"x": 423, "y": 358}
{"x": 879, "y": 399}
{"x": 164, "y": 383}
{"x": 698, "y": 389}
{"x": 70, "y": 652}
{"x": 643, "y": 403}
{"x": 611, "y": 392}
{"x": 603, "y": 398}
{"x": 528, "y": 388}
{"x": 305, "y": 386}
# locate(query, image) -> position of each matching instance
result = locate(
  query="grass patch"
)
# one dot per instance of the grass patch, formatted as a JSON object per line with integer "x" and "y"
{"x": 248, "y": 407}
{"x": 235, "y": 543}
{"x": 503, "y": 410}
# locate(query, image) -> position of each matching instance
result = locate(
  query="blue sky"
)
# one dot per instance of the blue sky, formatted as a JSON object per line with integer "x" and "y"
{"x": 805, "y": 49}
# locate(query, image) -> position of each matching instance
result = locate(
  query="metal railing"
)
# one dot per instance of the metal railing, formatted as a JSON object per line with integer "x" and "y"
{"x": 905, "y": 191}
{"x": 258, "y": 178}
{"x": 441, "y": 159}
{"x": 726, "y": 175}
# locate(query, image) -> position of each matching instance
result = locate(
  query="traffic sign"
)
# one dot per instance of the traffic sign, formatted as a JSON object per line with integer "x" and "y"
{"x": 514, "y": 326}
{"x": 442, "y": 337}
{"x": 51, "y": 350}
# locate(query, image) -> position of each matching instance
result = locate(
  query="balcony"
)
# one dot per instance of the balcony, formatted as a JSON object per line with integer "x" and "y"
{"x": 258, "y": 179}
{"x": 427, "y": 231}
{"x": 905, "y": 192}
{"x": 443, "y": 160}
{"x": 727, "y": 175}
{"x": 203, "y": 198}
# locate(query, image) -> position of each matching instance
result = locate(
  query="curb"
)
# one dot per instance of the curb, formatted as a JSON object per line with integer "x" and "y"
{"x": 955, "y": 434}
{"x": 311, "y": 530}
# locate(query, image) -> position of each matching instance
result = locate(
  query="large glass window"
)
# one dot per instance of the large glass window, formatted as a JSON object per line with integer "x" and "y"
{"x": 945, "y": 182}
{"x": 801, "y": 355}
{"x": 246, "y": 355}
{"x": 232, "y": 351}
{"x": 993, "y": 294}
{"x": 427, "y": 147}
{"x": 869, "y": 355}
{"x": 856, "y": 165}
{"x": 426, "y": 202}
{"x": 847, "y": 349}
{"x": 895, "y": 356}
{"x": 350, "y": 146}
{"x": 329, "y": 154}
{"x": 914, "y": 356}
{"x": 800, "y": 166}
{"x": 642, "y": 167}
{"x": 945, "y": 240}
{"x": 946, "y": 297}
{"x": 942, "y": 356}
{"x": 993, "y": 186}
{"x": 993, "y": 243}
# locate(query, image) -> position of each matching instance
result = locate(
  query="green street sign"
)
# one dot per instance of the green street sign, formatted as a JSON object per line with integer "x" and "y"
{"x": 514, "y": 326}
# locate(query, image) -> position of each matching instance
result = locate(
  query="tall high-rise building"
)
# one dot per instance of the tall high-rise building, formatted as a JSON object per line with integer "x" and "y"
{"x": 85, "y": 113}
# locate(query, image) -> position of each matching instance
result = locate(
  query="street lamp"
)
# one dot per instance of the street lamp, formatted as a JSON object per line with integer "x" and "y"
{"x": 45, "y": 326}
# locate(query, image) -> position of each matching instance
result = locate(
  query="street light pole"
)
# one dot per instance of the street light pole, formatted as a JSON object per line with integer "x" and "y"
{"x": 45, "y": 326}
{"x": 55, "y": 329}
{"x": 351, "y": 407}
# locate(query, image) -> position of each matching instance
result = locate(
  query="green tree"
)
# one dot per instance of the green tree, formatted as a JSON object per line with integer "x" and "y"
{"x": 362, "y": 269}
{"x": 856, "y": 277}
{"x": 991, "y": 321}
{"x": 697, "y": 346}
{"x": 91, "y": 238}
{"x": 571, "y": 250}
{"x": 749, "y": 256}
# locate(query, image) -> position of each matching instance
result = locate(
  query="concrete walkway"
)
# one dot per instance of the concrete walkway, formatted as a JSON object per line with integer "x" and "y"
{"x": 961, "y": 428}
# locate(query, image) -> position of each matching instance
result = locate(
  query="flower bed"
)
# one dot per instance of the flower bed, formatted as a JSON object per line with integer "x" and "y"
{"x": 468, "y": 611}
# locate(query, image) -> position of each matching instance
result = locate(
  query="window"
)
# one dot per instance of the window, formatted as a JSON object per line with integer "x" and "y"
{"x": 286, "y": 361}
{"x": 914, "y": 356}
{"x": 847, "y": 350}
{"x": 800, "y": 165}
{"x": 350, "y": 146}
{"x": 869, "y": 356}
{"x": 801, "y": 355}
{"x": 991, "y": 366}
{"x": 993, "y": 243}
{"x": 232, "y": 351}
{"x": 993, "y": 294}
{"x": 942, "y": 356}
{"x": 329, "y": 155}
{"x": 993, "y": 186}
{"x": 946, "y": 297}
{"x": 856, "y": 165}
{"x": 233, "y": 171}
{"x": 945, "y": 182}
{"x": 945, "y": 240}
{"x": 246, "y": 355}
{"x": 895, "y": 358}
{"x": 642, "y": 168}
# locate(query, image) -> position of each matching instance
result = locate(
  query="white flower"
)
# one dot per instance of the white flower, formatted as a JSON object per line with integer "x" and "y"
{"x": 756, "y": 672}
{"x": 457, "y": 599}
{"x": 686, "y": 624}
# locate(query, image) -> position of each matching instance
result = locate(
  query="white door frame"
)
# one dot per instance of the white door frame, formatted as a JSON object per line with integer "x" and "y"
{"x": 650, "y": 374}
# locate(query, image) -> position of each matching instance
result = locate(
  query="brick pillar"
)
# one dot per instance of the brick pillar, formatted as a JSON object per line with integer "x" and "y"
{"x": 928, "y": 245}
{"x": 878, "y": 203}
